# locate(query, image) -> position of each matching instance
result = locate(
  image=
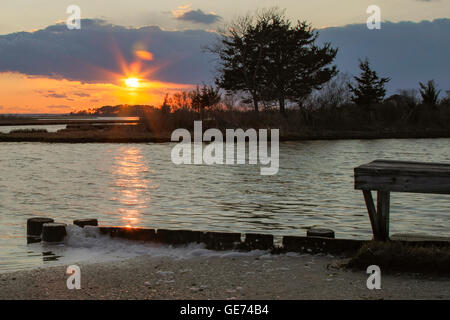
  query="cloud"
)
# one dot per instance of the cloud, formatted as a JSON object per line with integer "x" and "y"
{"x": 56, "y": 95}
{"x": 82, "y": 94}
{"x": 59, "y": 107}
{"x": 99, "y": 51}
{"x": 198, "y": 16}
{"x": 407, "y": 52}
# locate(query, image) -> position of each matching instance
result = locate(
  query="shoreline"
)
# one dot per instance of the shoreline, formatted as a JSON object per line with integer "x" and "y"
{"x": 228, "y": 277}
{"x": 141, "y": 137}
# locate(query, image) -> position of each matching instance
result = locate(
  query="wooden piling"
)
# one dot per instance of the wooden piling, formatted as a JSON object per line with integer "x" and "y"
{"x": 85, "y": 222}
{"x": 34, "y": 226}
{"x": 254, "y": 241}
{"x": 323, "y": 233}
{"x": 53, "y": 232}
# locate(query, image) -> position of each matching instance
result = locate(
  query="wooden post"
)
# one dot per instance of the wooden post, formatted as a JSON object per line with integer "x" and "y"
{"x": 324, "y": 233}
{"x": 383, "y": 202}
{"x": 34, "y": 226}
{"x": 85, "y": 222}
{"x": 53, "y": 232}
{"x": 373, "y": 215}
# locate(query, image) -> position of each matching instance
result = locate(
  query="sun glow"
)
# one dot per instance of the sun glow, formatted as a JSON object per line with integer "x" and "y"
{"x": 132, "y": 82}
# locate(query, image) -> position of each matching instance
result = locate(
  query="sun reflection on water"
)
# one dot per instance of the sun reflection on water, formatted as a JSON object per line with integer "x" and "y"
{"x": 130, "y": 185}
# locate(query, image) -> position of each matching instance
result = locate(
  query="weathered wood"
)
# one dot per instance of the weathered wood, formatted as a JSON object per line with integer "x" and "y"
{"x": 321, "y": 245}
{"x": 53, "y": 232}
{"x": 401, "y": 176}
{"x": 385, "y": 176}
{"x": 256, "y": 241}
{"x": 34, "y": 225}
{"x": 383, "y": 200}
{"x": 324, "y": 233}
{"x": 85, "y": 222}
{"x": 373, "y": 215}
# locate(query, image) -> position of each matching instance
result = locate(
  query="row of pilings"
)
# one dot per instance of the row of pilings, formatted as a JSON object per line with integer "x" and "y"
{"x": 316, "y": 241}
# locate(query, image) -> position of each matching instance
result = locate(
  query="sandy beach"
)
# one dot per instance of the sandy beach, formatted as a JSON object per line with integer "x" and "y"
{"x": 230, "y": 276}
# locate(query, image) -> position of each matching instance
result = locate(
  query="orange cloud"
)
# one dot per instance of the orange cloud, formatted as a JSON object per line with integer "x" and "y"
{"x": 144, "y": 55}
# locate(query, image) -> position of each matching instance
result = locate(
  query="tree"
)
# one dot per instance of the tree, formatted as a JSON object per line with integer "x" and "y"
{"x": 181, "y": 100}
{"x": 446, "y": 100}
{"x": 204, "y": 97}
{"x": 369, "y": 87}
{"x": 269, "y": 58}
{"x": 334, "y": 93}
{"x": 240, "y": 57}
{"x": 429, "y": 93}
{"x": 230, "y": 100}
{"x": 165, "y": 107}
{"x": 409, "y": 97}
{"x": 293, "y": 64}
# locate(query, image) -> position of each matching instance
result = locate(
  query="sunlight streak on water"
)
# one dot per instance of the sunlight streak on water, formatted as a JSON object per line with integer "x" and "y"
{"x": 129, "y": 172}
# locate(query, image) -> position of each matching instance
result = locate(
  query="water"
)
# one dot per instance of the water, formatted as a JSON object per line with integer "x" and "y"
{"x": 55, "y": 128}
{"x": 49, "y": 128}
{"x": 138, "y": 185}
{"x": 93, "y": 118}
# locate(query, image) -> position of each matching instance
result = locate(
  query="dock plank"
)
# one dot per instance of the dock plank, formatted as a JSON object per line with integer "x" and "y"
{"x": 403, "y": 176}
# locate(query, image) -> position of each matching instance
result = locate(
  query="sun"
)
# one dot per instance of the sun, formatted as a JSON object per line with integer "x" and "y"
{"x": 132, "y": 82}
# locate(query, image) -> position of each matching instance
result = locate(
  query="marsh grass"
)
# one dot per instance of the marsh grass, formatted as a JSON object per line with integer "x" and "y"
{"x": 28, "y": 131}
{"x": 397, "y": 256}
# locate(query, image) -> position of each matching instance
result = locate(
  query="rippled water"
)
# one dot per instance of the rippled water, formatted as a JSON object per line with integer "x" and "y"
{"x": 138, "y": 185}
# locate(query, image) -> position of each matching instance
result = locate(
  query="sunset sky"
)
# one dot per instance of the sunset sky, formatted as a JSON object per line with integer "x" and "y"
{"x": 157, "y": 46}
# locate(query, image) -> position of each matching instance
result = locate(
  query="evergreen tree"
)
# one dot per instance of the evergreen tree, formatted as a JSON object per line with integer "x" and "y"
{"x": 369, "y": 87}
{"x": 240, "y": 53}
{"x": 271, "y": 59}
{"x": 204, "y": 97}
{"x": 293, "y": 64}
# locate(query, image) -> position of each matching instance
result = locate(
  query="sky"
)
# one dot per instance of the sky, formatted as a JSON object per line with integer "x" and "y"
{"x": 47, "y": 68}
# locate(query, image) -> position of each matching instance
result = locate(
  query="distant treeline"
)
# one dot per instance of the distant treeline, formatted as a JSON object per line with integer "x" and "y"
{"x": 330, "y": 108}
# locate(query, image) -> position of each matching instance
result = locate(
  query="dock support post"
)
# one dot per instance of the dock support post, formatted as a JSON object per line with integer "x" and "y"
{"x": 383, "y": 202}
{"x": 373, "y": 216}
{"x": 379, "y": 217}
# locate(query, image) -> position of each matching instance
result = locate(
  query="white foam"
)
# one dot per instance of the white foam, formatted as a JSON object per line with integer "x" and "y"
{"x": 89, "y": 246}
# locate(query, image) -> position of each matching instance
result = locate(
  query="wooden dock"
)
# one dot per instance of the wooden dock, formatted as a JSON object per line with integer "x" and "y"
{"x": 386, "y": 176}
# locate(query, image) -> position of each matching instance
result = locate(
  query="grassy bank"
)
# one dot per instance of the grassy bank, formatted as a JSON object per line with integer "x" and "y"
{"x": 141, "y": 134}
{"x": 400, "y": 256}
{"x": 384, "y": 121}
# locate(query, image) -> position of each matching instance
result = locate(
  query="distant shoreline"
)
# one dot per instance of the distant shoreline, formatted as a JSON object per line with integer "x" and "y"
{"x": 141, "y": 137}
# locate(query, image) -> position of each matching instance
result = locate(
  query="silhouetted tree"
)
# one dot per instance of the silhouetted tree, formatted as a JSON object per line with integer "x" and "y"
{"x": 446, "y": 100}
{"x": 429, "y": 93}
{"x": 240, "y": 55}
{"x": 181, "y": 100}
{"x": 268, "y": 57}
{"x": 204, "y": 97}
{"x": 165, "y": 107}
{"x": 369, "y": 88}
{"x": 334, "y": 93}
{"x": 293, "y": 65}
